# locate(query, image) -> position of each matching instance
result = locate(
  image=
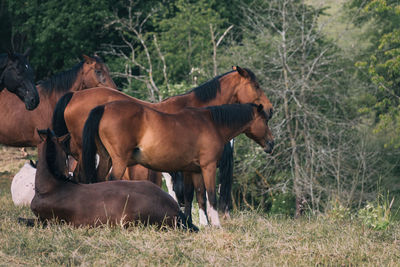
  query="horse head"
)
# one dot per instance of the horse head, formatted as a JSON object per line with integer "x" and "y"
{"x": 259, "y": 130}
{"x": 18, "y": 78}
{"x": 96, "y": 73}
{"x": 51, "y": 151}
{"x": 247, "y": 90}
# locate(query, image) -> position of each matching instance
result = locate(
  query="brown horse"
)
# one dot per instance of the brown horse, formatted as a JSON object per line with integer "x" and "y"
{"x": 17, "y": 76}
{"x": 116, "y": 202}
{"x": 237, "y": 86}
{"x": 127, "y": 133}
{"x": 18, "y": 126}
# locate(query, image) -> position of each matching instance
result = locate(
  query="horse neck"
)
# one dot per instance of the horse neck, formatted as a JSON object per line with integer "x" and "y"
{"x": 237, "y": 125}
{"x": 176, "y": 103}
{"x": 79, "y": 84}
{"x": 45, "y": 182}
{"x": 49, "y": 99}
{"x": 228, "y": 133}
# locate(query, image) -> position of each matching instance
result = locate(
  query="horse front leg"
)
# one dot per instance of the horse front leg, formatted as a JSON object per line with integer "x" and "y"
{"x": 198, "y": 185}
{"x": 209, "y": 181}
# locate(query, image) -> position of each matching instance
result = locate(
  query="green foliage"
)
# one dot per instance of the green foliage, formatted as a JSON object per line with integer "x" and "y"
{"x": 383, "y": 68}
{"x": 59, "y": 31}
{"x": 377, "y": 215}
{"x": 283, "y": 204}
{"x": 186, "y": 40}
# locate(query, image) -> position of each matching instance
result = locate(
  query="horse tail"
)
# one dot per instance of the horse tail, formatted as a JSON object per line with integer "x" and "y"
{"x": 58, "y": 121}
{"x": 178, "y": 187}
{"x": 90, "y": 133}
{"x": 226, "y": 178}
{"x": 186, "y": 224}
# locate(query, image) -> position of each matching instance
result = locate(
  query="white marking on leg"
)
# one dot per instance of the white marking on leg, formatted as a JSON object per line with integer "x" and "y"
{"x": 212, "y": 214}
{"x": 97, "y": 160}
{"x": 168, "y": 182}
{"x": 203, "y": 217}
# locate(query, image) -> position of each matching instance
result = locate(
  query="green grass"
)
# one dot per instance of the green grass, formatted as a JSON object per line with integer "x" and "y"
{"x": 248, "y": 239}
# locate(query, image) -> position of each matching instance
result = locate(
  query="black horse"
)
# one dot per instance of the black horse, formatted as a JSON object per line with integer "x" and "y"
{"x": 17, "y": 76}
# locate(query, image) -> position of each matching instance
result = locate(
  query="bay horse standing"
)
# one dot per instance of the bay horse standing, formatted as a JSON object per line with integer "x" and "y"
{"x": 17, "y": 76}
{"x": 18, "y": 126}
{"x": 126, "y": 133}
{"x": 237, "y": 86}
{"x": 115, "y": 202}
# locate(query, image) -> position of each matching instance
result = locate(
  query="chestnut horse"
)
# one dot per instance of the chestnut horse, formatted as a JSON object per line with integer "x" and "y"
{"x": 121, "y": 202}
{"x": 17, "y": 76}
{"x": 18, "y": 126}
{"x": 239, "y": 85}
{"x": 127, "y": 133}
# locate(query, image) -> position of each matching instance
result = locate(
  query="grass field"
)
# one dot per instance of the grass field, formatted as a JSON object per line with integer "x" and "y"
{"x": 248, "y": 239}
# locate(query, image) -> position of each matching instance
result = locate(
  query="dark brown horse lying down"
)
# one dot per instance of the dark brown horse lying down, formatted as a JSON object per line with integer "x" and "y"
{"x": 127, "y": 133}
{"x": 116, "y": 202}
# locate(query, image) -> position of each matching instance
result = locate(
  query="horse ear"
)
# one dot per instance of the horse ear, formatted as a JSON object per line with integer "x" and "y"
{"x": 27, "y": 52}
{"x": 242, "y": 72}
{"x": 64, "y": 141}
{"x": 88, "y": 59}
{"x": 260, "y": 108}
{"x": 33, "y": 164}
{"x": 42, "y": 134}
{"x": 11, "y": 55}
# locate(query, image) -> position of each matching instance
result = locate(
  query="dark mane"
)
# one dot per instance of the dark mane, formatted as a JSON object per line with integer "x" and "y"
{"x": 232, "y": 115}
{"x": 251, "y": 74}
{"x": 63, "y": 81}
{"x": 51, "y": 157}
{"x": 208, "y": 90}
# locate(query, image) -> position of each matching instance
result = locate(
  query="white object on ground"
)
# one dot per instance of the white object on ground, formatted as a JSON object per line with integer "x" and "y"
{"x": 23, "y": 185}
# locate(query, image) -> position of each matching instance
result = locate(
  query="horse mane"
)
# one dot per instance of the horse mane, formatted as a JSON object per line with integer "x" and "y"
{"x": 51, "y": 156}
{"x": 63, "y": 81}
{"x": 251, "y": 74}
{"x": 208, "y": 90}
{"x": 232, "y": 115}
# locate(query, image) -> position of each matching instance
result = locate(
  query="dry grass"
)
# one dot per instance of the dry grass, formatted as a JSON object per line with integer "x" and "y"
{"x": 248, "y": 239}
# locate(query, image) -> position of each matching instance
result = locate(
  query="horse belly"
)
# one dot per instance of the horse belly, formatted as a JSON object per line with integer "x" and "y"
{"x": 167, "y": 161}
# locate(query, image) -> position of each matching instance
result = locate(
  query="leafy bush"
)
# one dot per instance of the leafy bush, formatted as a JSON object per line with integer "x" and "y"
{"x": 283, "y": 204}
{"x": 377, "y": 215}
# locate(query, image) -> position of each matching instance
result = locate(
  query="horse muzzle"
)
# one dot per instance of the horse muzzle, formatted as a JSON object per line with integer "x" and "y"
{"x": 31, "y": 99}
{"x": 269, "y": 147}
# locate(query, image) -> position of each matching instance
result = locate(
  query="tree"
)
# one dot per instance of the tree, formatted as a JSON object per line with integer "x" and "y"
{"x": 319, "y": 149}
{"x": 167, "y": 50}
{"x": 382, "y": 66}
{"x": 59, "y": 32}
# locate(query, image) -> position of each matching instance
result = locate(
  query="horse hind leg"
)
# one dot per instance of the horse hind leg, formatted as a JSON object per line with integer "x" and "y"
{"x": 103, "y": 168}
{"x": 118, "y": 168}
